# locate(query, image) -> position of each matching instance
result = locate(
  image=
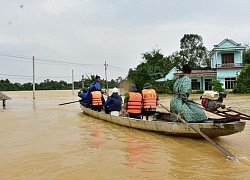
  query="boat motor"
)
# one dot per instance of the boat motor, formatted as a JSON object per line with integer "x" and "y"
{"x": 212, "y": 100}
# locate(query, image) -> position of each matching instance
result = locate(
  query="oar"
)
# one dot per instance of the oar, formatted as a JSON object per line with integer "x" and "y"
{"x": 69, "y": 102}
{"x": 223, "y": 150}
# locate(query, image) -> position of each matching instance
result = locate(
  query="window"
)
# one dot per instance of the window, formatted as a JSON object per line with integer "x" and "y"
{"x": 229, "y": 83}
{"x": 195, "y": 84}
{"x": 227, "y": 58}
{"x": 207, "y": 87}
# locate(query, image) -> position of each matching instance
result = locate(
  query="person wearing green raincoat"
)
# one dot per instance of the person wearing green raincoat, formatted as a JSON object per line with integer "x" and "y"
{"x": 180, "y": 104}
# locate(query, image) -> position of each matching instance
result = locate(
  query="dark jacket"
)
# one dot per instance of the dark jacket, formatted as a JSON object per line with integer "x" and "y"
{"x": 84, "y": 100}
{"x": 113, "y": 103}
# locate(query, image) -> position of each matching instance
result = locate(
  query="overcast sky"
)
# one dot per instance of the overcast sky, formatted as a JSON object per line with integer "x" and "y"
{"x": 80, "y": 35}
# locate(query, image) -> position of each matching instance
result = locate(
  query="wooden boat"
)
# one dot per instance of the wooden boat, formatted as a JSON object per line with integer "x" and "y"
{"x": 161, "y": 123}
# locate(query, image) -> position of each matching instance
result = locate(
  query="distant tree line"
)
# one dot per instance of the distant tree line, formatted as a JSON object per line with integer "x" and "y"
{"x": 6, "y": 85}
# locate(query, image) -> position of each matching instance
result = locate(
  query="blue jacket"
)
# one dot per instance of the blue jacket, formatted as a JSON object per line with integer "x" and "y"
{"x": 97, "y": 86}
{"x": 84, "y": 99}
{"x": 113, "y": 103}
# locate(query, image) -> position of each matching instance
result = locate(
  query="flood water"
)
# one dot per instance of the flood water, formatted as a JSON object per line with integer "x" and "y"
{"x": 41, "y": 140}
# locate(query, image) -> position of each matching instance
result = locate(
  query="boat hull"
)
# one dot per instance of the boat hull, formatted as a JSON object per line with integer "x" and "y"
{"x": 171, "y": 128}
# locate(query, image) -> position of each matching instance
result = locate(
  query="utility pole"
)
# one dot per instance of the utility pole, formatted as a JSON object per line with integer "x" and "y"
{"x": 106, "y": 65}
{"x": 119, "y": 81}
{"x": 72, "y": 81}
{"x": 82, "y": 81}
{"x": 34, "y": 85}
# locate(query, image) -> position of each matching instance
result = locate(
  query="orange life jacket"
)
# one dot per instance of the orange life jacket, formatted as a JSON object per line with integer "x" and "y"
{"x": 149, "y": 98}
{"x": 134, "y": 103}
{"x": 96, "y": 98}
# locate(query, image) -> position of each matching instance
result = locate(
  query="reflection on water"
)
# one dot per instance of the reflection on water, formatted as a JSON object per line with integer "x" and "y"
{"x": 139, "y": 152}
{"x": 34, "y": 104}
{"x": 41, "y": 140}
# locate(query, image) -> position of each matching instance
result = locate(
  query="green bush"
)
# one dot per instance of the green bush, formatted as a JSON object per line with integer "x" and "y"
{"x": 243, "y": 81}
{"x": 217, "y": 85}
{"x": 197, "y": 92}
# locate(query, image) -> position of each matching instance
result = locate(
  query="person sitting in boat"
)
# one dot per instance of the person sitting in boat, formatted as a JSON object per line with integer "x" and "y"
{"x": 114, "y": 102}
{"x": 133, "y": 102}
{"x": 95, "y": 100}
{"x": 97, "y": 85}
{"x": 83, "y": 94}
{"x": 180, "y": 105}
{"x": 149, "y": 100}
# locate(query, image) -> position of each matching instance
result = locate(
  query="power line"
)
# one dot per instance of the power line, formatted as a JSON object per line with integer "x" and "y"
{"x": 15, "y": 60}
{"x": 64, "y": 62}
{"x": 39, "y": 62}
{"x": 29, "y": 76}
{"x": 15, "y": 55}
{"x": 54, "y": 62}
{"x": 15, "y": 75}
{"x": 48, "y": 60}
{"x": 117, "y": 67}
{"x": 6, "y": 56}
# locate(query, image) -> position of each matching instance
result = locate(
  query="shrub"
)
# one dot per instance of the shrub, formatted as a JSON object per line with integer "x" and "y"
{"x": 216, "y": 85}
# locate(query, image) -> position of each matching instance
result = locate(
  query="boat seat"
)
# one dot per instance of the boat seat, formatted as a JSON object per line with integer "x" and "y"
{"x": 115, "y": 113}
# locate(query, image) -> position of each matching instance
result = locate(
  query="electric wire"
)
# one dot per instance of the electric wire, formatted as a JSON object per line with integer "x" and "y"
{"x": 28, "y": 59}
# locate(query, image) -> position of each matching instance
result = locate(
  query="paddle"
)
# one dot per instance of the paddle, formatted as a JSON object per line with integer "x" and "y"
{"x": 69, "y": 102}
{"x": 223, "y": 150}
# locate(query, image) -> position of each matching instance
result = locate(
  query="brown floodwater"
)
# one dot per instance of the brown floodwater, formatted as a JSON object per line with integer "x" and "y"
{"x": 41, "y": 140}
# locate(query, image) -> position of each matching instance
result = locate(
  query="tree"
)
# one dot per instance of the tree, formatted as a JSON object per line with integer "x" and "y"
{"x": 217, "y": 85}
{"x": 139, "y": 76}
{"x": 112, "y": 83}
{"x": 165, "y": 87}
{"x": 28, "y": 86}
{"x": 243, "y": 81}
{"x": 175, "y": 60}
{"x": 193, "y": 52}
{"x": 246, "y": 56}
{"x": 5, "y": 85}
{"x": 155, "y": 61}
{"x": 154, "y": 66}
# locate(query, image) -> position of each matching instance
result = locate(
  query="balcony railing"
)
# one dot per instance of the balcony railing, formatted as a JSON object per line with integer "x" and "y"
{"x": 225, "y": 65}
